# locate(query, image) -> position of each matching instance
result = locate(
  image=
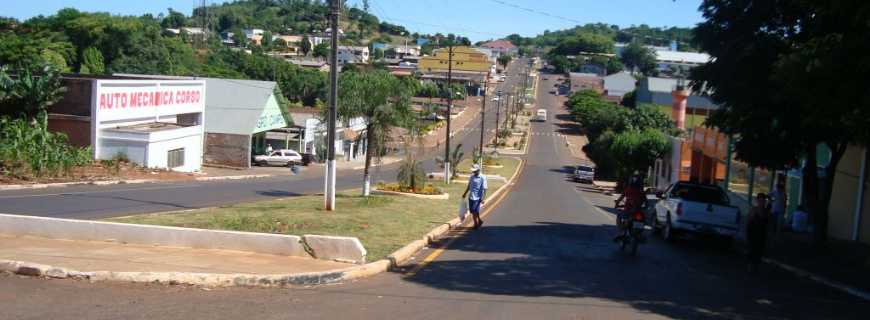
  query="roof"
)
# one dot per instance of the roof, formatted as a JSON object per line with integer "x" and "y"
{"x": 682, "y": 57}
{"x": 658, "y": 91}
{"x": 583, "y": 75}
{"x": 498, "y": 44}
{"x": 234, "y": 106}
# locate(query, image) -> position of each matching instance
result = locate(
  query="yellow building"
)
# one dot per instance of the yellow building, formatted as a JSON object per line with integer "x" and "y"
{"x": 465, "y": 59}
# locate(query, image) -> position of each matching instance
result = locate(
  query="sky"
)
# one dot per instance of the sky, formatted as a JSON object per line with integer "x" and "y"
{"x": 476, "y": 19}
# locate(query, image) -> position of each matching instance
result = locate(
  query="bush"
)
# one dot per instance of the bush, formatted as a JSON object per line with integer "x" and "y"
{"x": 28, "y": 150}
{"x": 411, "y": 174}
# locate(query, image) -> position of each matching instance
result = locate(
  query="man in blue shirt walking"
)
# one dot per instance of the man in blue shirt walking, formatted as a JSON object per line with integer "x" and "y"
{"x": 477, "y": 188}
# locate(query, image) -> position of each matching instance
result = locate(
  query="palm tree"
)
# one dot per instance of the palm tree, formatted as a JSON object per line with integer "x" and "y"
{"x": 382, "y": 100}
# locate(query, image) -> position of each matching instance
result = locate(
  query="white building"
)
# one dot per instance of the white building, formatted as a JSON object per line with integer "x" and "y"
{"x": 250, "y": 33}
{"x": 350, "y": 138}
{"x": 668, "y": 60}
{"x": 154, "y": 123}
{"x": 351, "y": 54}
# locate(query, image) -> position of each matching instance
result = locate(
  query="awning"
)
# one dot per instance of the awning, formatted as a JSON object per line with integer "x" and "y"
{"x": 349, "y": 134}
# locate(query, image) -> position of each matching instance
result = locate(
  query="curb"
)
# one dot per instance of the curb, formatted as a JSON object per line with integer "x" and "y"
{"x": 77, "y": 183}
{"x": 239, "y": 177}
{"x": 199, "y": 279}
{"x": 820, "y": 279}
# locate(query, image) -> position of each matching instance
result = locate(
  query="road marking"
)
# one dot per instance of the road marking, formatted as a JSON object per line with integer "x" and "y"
{"x": 486, "y": 211}
{"x": 97, "y": 191}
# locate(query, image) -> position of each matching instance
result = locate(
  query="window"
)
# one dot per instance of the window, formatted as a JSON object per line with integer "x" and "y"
{"x": 175, "y": 158}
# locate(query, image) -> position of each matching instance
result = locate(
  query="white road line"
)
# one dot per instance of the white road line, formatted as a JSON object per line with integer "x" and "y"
{"x": 98, "y": 191}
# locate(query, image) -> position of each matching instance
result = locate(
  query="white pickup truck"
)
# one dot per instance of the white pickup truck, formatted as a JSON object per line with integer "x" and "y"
{"x": 696, "y": 208}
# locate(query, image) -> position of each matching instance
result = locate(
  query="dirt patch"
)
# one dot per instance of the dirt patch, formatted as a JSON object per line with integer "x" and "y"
{"x": 102, "y": 172}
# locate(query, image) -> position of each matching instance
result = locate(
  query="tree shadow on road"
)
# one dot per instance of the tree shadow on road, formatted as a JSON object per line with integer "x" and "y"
{"x": 580, "y": 261}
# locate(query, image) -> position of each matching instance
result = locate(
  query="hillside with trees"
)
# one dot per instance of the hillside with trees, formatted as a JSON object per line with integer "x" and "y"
{"x": 592, "y": 44}
{"x": 100, "y": 43}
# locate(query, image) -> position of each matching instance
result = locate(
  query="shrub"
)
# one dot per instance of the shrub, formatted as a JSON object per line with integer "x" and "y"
{"x": 27, "y": 150}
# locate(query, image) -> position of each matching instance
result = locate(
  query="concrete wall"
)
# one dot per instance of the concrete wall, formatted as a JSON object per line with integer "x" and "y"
{"x": 232, "y": 150}
{"x": 344, "y": 249}
{"x": 151, "y": 235}
{"x": 844, "y": 198}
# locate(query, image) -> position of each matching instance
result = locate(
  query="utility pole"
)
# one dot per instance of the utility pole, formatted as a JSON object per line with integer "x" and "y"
{"x": 447, "y": 175}
{"x": 497, "y": 113}
{"x": 483, "y": 118}
{"x": 329, "y": 194}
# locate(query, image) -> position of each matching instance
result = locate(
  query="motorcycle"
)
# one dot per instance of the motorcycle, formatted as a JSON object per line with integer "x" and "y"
{"x": 632, "y": 226}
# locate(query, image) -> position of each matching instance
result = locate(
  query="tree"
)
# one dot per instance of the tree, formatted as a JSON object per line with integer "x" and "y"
{"x": 613, "y": 66}
{"x": 305, "y": 46}
{"x": 31, "y": 93}
{"x": 378, "y": 54}
{"x": 92, "y": 62}
{"x": 455, "y": 157}
{"x": 504, "y": 60}
{"x": 637, "y": 150}
{"x": 637, "y": 57}
{"x": 173, "y": 20}
{"x": 382, "y": 100}
{"x": 321, "y": 50}
{"x": 267, "y": 41}
{"x": 782, "y": 74}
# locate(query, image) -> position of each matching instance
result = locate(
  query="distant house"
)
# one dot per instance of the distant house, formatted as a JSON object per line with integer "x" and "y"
{"x": 352, "y": 54}
{"x": 501, "y": 47}
{"x": 658, "y": 91}
{"x": 292, "y": 45}
{"x": 586, "y": 81}
{"x": 401, "y": 50}
{"x": 618, "y": 84}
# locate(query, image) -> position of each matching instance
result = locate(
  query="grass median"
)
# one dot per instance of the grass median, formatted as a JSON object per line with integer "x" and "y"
{"x": 384, "y": 223}
{"x": 509, "y": 166}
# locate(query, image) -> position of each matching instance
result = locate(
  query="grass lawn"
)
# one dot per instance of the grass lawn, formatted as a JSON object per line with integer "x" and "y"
{"x": 691, "y": 120}
{"x": 510, "y": 166}
{"x": 383, "y": 223}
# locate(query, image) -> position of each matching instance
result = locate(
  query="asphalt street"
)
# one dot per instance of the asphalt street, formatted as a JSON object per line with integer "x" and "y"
{"x": 96, "y": 202}
{"x": 545, "y": 252}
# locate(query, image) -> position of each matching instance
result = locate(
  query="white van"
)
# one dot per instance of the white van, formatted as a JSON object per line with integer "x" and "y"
{"x": 541, "y": 115}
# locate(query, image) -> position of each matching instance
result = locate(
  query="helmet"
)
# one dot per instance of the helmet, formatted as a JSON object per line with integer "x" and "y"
{"x": 636, "y": 181}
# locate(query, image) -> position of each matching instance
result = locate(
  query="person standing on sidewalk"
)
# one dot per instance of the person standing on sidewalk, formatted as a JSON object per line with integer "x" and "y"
{"x": 756, "y": 231}
{"x": 780, "y": 201}
{"x": 477, "y": 187}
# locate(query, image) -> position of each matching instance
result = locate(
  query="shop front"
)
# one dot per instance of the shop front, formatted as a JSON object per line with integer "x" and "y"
{"x": 153, "y": 123}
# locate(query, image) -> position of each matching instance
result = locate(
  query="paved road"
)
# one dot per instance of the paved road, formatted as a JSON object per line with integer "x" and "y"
{"x": 95, "y": 202}
{"x": 544, "y": 253}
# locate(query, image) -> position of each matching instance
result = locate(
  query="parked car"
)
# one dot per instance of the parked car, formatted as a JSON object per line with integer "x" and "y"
{"x": 584, "y": 173}
{"x": 687, "y": 207}
{"x": 281, "y": 157}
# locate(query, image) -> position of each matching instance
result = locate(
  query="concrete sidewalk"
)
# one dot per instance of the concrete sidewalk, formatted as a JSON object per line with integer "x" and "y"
{"x": 87, "y": 256}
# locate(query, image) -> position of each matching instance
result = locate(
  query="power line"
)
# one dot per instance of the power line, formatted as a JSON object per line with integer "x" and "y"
{"x": 505, "y": 3}
{"x": 382, "y": 13}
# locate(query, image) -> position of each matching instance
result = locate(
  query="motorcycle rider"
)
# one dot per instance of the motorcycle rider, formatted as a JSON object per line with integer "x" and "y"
{"x": 634, "y": 200}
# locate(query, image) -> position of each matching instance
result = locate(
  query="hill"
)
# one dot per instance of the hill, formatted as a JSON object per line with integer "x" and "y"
{"x": 100, "y": 43}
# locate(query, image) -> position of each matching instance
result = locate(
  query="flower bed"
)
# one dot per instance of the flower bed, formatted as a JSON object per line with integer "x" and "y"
{"x": 429, "y": 189}
{"x": 428, "y": 192}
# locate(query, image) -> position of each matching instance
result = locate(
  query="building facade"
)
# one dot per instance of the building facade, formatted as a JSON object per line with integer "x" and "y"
{"x": 154, "y": 123}
{"x": 351, "y": 54}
